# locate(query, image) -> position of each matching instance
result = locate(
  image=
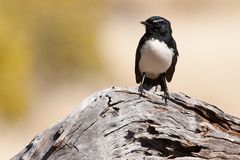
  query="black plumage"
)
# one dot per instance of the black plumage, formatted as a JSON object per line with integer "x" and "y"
{"x": 157, "y": 28}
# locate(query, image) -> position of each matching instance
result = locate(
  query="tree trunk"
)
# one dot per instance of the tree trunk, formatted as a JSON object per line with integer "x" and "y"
{"x": 121, "y": 124}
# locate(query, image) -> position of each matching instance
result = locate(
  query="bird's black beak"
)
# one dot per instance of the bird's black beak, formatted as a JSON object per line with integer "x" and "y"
{"x": 145, "y": 23}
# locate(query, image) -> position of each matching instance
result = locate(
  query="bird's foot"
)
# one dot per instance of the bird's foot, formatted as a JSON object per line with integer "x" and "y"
{"x": 140, "y": 89}
{"x": 165, "y": 96}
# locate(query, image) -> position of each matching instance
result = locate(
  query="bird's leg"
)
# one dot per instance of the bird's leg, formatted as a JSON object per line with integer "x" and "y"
{"x": 141, "y": 84}
{"x": 165, "y": 89}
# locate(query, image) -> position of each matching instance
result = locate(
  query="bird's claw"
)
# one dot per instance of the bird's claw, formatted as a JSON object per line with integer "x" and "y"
{"x": 165, "y": 96}
{"x": 140, "y": 89}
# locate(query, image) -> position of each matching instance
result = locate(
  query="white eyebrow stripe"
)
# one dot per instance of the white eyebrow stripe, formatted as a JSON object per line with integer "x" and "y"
{"x": 155, "y": 21}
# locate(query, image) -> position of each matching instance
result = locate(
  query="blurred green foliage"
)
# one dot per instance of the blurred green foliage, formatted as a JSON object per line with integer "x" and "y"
{"x": 50, "y": 41}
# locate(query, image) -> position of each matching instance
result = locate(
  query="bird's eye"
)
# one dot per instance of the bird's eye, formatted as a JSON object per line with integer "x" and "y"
{"x": 161, "y": 23}
{"x": 158, "y": 24}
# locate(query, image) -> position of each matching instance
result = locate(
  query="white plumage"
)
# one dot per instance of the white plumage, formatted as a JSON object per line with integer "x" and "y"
{"x": 156, "y": 58}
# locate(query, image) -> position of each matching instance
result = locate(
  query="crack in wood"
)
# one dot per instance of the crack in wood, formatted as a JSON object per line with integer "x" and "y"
{"x": 105, "y": 135}
{"x": 29, "y": 146}
{"x": 104, "y": 112}
{"x": 51, "y": 150}
{"x": 185, "y": 95}
{"x": 174, "y": 136}
{"x": 146, "y": 153}
{"x": 226, "y": 153}
{"x": 147, "y": 121}
{"x": 78, "y": 136}
{"x": 156, "y": 102}
{"x": 221, "y": 138}
{"x": 90, "y": 125}
{"x": 212, "y": 116}
{"x": 166, "y": 147}
{"x": 205, "y": 114}
{"x": 127, "y": 91}
{"x": 56, "y": 135}
{"x": 110, "y": 104}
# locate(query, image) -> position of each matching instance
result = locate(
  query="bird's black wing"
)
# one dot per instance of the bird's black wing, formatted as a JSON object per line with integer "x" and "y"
{"x": 171, "y": 69}
{"x": 137, "y": 59}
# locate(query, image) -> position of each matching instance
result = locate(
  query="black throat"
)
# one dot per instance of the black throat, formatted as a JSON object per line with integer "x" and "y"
{"x": 165, "y": 37}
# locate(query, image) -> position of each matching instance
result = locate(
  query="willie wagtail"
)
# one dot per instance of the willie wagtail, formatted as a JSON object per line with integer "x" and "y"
{"x": 156, "y": 55}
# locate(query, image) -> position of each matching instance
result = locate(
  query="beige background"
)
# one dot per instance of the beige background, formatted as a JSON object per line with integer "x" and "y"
{"x": 207, "y": 33}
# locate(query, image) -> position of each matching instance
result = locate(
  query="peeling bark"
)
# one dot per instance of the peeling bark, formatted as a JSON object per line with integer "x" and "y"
{"x": 119, "y": 124}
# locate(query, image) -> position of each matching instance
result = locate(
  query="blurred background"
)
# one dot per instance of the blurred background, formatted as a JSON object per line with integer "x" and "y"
{"x": 53, "y": 54}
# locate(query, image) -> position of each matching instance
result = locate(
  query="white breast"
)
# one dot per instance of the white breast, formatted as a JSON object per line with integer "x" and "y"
{"x": 156, "y": 58}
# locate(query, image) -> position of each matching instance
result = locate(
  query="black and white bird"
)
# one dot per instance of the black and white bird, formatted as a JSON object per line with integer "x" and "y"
{"x": 156, "y": 55}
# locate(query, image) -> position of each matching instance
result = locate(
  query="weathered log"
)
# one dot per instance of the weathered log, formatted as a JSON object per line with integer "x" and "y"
{"x": 119, "y": 123}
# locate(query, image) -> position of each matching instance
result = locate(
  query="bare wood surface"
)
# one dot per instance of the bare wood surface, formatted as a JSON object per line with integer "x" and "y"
{"x": 118, "y": 123}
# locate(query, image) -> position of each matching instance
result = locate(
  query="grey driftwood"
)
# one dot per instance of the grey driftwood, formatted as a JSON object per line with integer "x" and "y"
{"x": 118, "y": 123}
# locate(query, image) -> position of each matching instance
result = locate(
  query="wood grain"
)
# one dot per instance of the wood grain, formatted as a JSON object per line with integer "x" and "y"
{"x": 118, "y": 123}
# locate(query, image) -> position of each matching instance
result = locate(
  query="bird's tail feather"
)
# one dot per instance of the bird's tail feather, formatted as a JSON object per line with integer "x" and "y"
{"x": 155, "y": 82}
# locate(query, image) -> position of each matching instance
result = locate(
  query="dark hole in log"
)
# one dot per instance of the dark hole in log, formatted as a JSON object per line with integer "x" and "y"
{"x": 130, "y": 135}
{"x": 167, "y": 147}
{"x": 152, "y": 130}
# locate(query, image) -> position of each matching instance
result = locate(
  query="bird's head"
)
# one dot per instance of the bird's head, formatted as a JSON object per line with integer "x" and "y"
{"x": 157, "y": 25}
